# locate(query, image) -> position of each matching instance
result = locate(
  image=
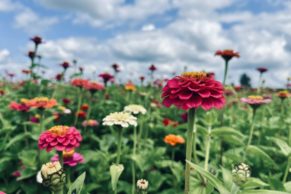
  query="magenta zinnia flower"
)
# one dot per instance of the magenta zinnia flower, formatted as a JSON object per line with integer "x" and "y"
{"x": 193, "y": 90}
{"x": 106, "y": 77}
{"x": 255, "y": 101}
{"x": 262, "y": 69}
{"x": 71, "y": 158}
{"x": 62, "y": 138}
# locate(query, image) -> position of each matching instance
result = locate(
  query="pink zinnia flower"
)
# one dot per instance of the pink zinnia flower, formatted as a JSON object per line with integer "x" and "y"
{"x": 62, "y": 138}
{"x": 19, "y": 107}
{"x": 193, "y": 90}
{"x": 1, "y": 192}
{"x": 255, "y": 101}
{"x": 262, "y": 69}
{"x": 71, "y": 158}
{"x": 94, "y": 87}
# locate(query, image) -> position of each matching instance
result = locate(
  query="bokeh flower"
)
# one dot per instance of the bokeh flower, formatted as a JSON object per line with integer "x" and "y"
{"x": 61, "y": 138}
{"x": 152, "y": 68}
{"x": 135, "y": 109}
{"x": 37, "y": 40}
{"x": 129, "y": 86}
{"x": 173, "y": 140}
{"x": 70, "y": 158}
{"x": 169, "y": 122}
{"x": 115, "y": 67}
{"x": 193, "y": 90}
{"x": 122, "y": 119}
{"x": 227, "y": 54}
{"x": 41, "y": 103}
{"x": 65, "y": 65}
{"x": 255, "y": 101}
{"x": 283, "y": 94}
{"x": 106, "y": 77}
{"x": 90, "y": 123}
{"x": 142, "y": 184}
{"x": 84, "y": 107}
{"x": 21, "y": 107}
{"x": 262, "y": 69}
{"x": 94, "y": 87}
{"x": 79, "y": 82}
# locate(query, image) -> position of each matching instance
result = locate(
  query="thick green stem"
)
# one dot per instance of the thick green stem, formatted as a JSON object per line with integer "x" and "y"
{"x": 120, "y": 131}
{"x": 207, "y": 148}
{"x": 225, "y": 71}
{"x": 286, "y": 171}
{"x": 251, "y": 133}
{"x": 189, "y": 146}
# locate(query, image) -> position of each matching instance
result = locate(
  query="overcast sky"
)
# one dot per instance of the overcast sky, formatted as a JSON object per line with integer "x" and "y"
{"x": 171, "y": 34}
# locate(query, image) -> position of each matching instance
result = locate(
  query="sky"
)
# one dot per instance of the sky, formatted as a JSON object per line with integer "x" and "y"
{"x": 171, "y": 34}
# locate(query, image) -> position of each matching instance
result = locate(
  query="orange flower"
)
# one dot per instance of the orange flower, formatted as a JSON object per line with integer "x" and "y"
{"x": 40, "y": 102}
{"x": 173, "y": 140}
{"x": 84, "y": 107}
{"x": 130, "y": 87}
{"x": 283, "y": 94}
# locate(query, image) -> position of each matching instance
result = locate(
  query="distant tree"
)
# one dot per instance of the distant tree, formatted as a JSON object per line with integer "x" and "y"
{"x": 245, "y": 80}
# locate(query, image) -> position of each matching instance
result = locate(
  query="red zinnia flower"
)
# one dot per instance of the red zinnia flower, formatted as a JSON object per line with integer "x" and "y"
{"x": 106, "y": 77}
{"x": 152, "y": 68}
{"x": 61, "y": 138}
{"x": 141, "y": 78}
{"x": 193, "y": 90}
{"x": 81, "y": 114}
{"x": 227, "y": 54}
{"x": 21, "y": 107}
{"x": 85, "y": 107}
{"x": 262, "y": 69}
{"x": 65, "y": 65}
{"x": 66, "y": 100}
{"x": 94, "y": 86}
{"x": 59, "y": 77}
{"x": 37, "y": 40}
{"x": 78, "y": 82}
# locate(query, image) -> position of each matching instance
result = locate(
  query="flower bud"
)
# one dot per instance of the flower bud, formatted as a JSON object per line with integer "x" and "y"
{"x": 53, "y": 175}
{"x": 142, "y": 185}
{"x": 241, "y": 173}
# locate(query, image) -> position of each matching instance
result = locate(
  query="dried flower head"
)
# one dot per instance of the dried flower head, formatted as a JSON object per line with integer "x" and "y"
{"x": 241, "y": 172}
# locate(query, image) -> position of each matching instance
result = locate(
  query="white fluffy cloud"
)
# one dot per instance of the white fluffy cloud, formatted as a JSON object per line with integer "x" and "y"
{"x": 4, "y": 55}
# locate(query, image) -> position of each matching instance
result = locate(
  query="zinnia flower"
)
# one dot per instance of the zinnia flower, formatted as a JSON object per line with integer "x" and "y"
{"x": 227, "y": 54}
{"x": 173, "y": 140}
{"x": 21, "y": 107}
{"x": 81, "y": 114}
{"x": 41, "y": 103}
{"x": 283, "y": 94}
{"x": 79, "y": 82}
{"x": 193, "y": 90}
{"x": 169, "y": 122}
{"x": 135, "y": 109}
{"x": 31, "y": 55}
{"x": 255, "y": 101}
{"x": 71, "y": 158}
{"x": 65, "y": 65}
{"x": 94, "y": 87}
{"x": 106, "y": 77}
{"x": 115, "y": 67}
{"x": 84, "y": 107}
{"x": 120, "y": 118}
{"x": 152, "y": 68}
{"x": 16, "y": 173}
{"x": 37, "y": 40}
{"x": 61, "y": 138}
{"x": 142, "y": 184}
{"x": 262, "y": 69}
{"x": 90, "y": 123}
{"x": 52, "y": 175}
{"x": 130, "y": 87}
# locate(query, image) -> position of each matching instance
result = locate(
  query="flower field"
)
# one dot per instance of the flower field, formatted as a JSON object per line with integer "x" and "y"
{"x": 190, "y": 133}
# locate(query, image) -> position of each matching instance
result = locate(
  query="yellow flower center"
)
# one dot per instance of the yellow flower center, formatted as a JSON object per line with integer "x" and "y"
{"x": 193, "y": 74}
{"x": 256, "y": 97}
{"x": 59, "y": 130}
{"x": 68, "y": 154}
{"x": 41, "y": 99}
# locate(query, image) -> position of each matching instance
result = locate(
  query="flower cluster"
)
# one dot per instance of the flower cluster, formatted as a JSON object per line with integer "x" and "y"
{"x": 193, "y": 90}
{"x": 62, "y": 138}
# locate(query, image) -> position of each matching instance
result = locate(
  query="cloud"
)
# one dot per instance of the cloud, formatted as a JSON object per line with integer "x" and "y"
{"x": 32, "y": 23}
{"x": 4, "y": 55}
{"x": 6, "y": 5}
{"x": 148, "y": 27}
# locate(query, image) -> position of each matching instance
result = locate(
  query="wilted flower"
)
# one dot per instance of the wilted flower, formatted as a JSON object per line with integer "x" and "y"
{"x": 120, "y": 118}
{"x": 173, "y": 140}
{"x": 241, "y": 173}
{"x": 70, "y": 158}
{"x": 129, "y": 86}
{"x": 61, "y": 138}
{"x": 193, "y": 90}
{"x": 283, "y": 94}
{"x": 255, "y": 101}
{"x": 90, "y": 123}
{"x": 142, "y": 184}
{"x": 53, "y": 175}
{"x": 135, "y": 109}
{"x": 227, "y": 54}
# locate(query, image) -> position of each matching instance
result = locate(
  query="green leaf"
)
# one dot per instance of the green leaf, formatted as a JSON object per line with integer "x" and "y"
{"x": 17, "y": 138}
{"x": 227, "y": 178}
{"x": 288, "y": 186}
{"x": 115, "y": 172}
{"x": 286, "y": 150}
{"x": 262, "y": 192}
{"x": 226, "y": 131}
{"x": 253, "y": 183}
{"x": 212, "y": 179}
{"x": 258, "y": 152}
{"x": 78, "y": 184}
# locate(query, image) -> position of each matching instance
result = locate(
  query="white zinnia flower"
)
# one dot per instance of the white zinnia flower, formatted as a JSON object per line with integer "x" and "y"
{"x": 142, "y": 184}
{"x": 123, "y": 119}
{"x": 50, "y": 168}
{"x": 135, "y": 109}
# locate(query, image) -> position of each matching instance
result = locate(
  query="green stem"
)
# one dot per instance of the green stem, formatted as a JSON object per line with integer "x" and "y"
{"x": 120, "y": 131}
{"x": 61, "y": 158}
{"x": 189, "y": 146}
{"x": 78, "y": 107}
{"x": 132, "y": 165}
{"x": 286, "y": 171}
{"x": 225, "y": 71}
{"x": 207, "y": 148}
{"x": 251, "y": 132}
